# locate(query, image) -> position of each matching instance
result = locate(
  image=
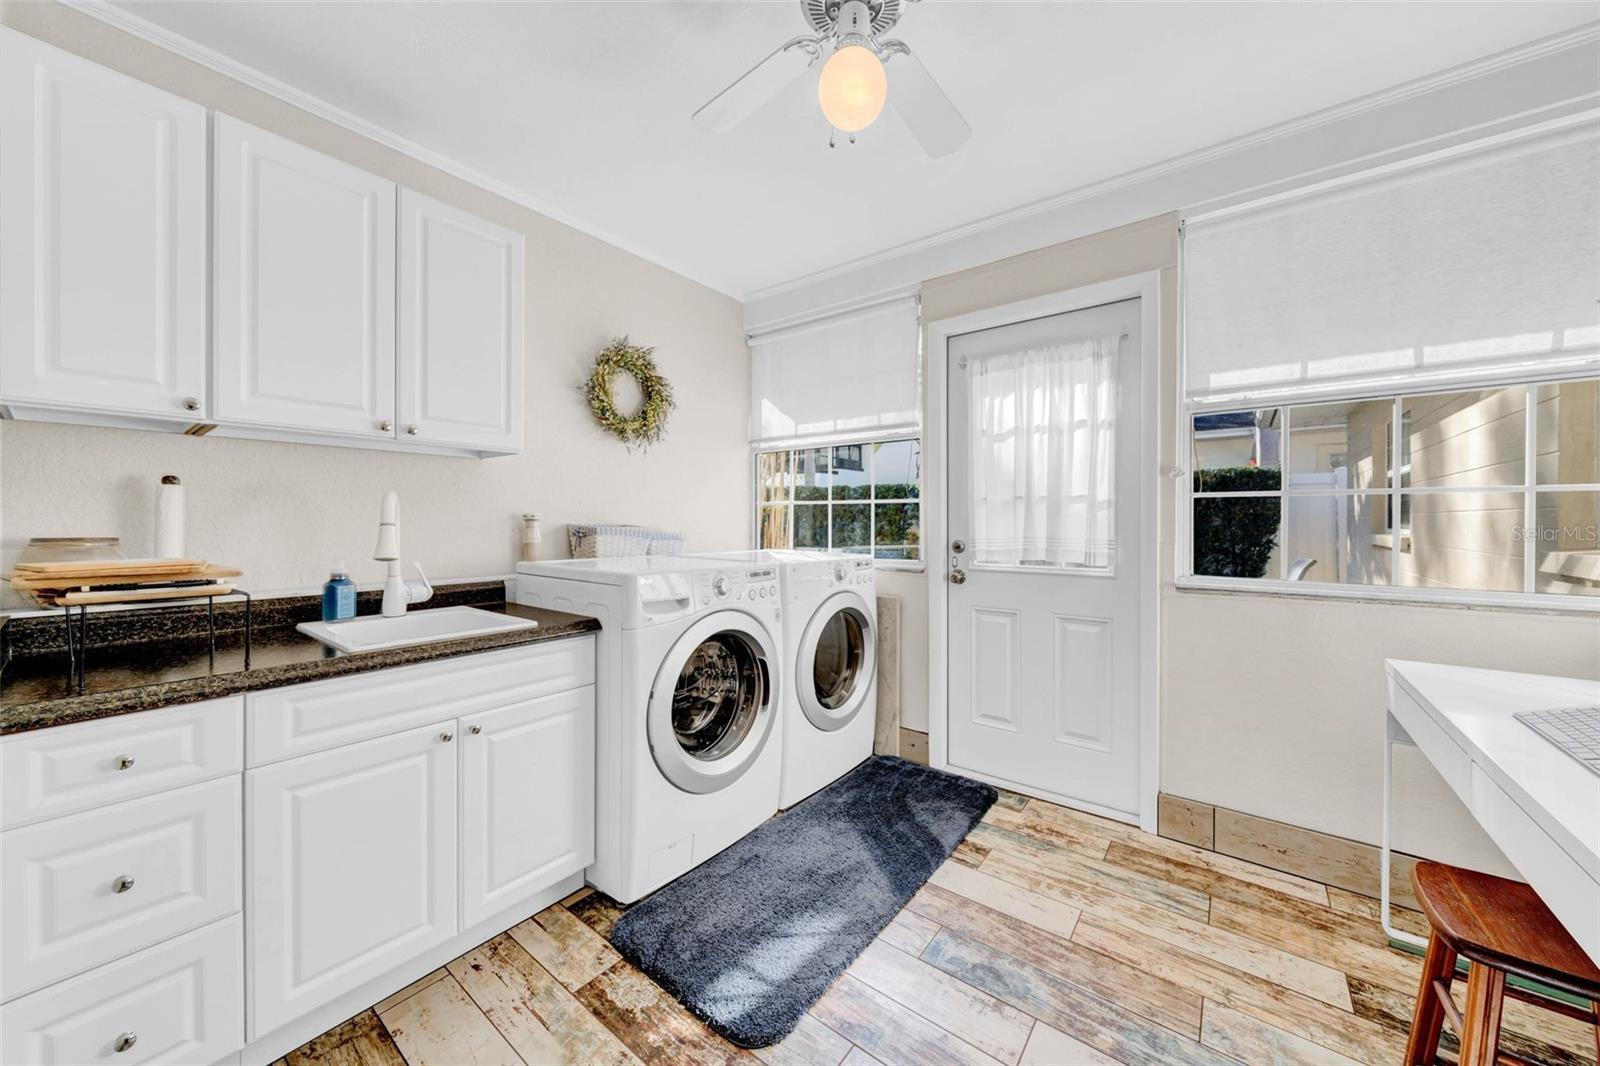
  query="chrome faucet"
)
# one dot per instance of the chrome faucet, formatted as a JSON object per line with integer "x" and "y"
{"x": 397, "y": 591}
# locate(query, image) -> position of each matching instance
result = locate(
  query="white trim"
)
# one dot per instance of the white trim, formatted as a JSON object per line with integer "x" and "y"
{"x": 936, "y": 531}
{"x": 842, "y": 309}
{"x": 138, "y": 26}
{"x": 1533, "y": 51}
{"x": 1535, "y": 602}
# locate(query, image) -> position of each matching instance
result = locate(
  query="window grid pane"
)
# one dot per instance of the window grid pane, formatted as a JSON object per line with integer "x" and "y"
{"x": 1474, "y": 513}
{"x": 832, "y": 498}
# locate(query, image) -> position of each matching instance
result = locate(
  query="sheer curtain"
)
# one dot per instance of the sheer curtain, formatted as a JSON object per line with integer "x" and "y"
{"x": 1042, "y": 425}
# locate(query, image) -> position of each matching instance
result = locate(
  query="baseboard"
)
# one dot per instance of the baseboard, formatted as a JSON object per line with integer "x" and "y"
{"x": 914, "y": 746}
{"x": 1332, "y": 860}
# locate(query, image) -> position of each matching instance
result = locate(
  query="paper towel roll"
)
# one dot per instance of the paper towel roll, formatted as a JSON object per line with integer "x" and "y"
{"x": 169, "y": 518}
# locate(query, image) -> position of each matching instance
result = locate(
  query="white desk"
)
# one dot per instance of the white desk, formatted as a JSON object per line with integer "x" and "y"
{"x": 1539, "y": 806}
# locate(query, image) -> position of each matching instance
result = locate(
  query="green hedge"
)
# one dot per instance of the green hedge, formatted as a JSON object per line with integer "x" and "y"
{"x": 1235, "y": 537}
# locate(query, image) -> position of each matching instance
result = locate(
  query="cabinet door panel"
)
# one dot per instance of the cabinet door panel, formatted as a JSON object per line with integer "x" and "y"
{"x": 351, "y": 867}
{"x": 304, "y": 287}
{"x": 527, "y": 799}
{"x": 461, "y": 300}
{"x": 102, "y": 238}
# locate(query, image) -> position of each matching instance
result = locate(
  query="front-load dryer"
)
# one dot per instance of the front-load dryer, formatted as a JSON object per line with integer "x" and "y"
{"x": 687, "y": 746}
{"x": 829, "y": 709}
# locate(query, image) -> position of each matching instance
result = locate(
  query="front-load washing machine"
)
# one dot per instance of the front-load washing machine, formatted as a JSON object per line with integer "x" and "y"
{"x": 830, "y": 700}
{"x": 689, "y": 660}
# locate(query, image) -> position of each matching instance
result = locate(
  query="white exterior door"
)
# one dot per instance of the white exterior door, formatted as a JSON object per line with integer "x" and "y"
{"x": 1045, "y": 554}
{"x": 461, "y": 300}
{"x": 527, "y": 799}
{"x": 102, "y": 238}
{"x": 351, "y": 867}
{"x": 305, "y": 284}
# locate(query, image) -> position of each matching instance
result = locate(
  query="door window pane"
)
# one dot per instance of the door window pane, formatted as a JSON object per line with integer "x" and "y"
{"x": 897, "y": 469}
{"x": 1566, "y": 543}
{"x": 852, "y": 527}
{"x": 1464, "y": 540}
{"x": 1234, "y": 536}
{"x": 811, "y": 526}
{"x": 896, "y": 531}
{"x": 1238, "y": 451}
{"x": 1568, "y": 414}
{"x": 1464, "y": 439}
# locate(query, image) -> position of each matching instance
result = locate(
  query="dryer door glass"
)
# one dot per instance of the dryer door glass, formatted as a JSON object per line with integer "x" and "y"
{"x": 836, "y": 667}
{"x": 718, "y": 695}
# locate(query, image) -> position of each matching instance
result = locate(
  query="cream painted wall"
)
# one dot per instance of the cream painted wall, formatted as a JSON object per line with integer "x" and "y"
{"x": 1272, "y": 705}
{"x": 285, "y": 512}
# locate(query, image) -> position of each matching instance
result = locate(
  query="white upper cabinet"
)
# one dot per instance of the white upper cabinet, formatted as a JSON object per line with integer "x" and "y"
{"x": 461, "y": 301}
{"x": 305, "y": 283}
{"x": 102, "y": 240}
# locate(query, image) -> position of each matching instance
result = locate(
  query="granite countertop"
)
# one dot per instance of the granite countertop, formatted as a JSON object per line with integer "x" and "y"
{"x": 134, "y": 665}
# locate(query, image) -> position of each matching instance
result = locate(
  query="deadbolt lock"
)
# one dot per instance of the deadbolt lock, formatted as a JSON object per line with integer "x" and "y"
{"x": 958, "y": 546}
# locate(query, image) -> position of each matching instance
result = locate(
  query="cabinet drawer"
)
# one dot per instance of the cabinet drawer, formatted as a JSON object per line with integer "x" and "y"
{"x": 181, "y": 1002}
{"x": 71, "y": 768}
{"x": 83, "y": 890}
{"x": 285, "y": 722}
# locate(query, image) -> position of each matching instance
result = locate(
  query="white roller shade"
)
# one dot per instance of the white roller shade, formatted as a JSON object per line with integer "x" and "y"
{"x": 1478, "y": 267}
{"x": 857, "y": 374}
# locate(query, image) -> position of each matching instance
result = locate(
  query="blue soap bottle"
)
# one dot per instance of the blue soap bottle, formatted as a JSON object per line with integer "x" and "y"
{"x": 338, "y": 596}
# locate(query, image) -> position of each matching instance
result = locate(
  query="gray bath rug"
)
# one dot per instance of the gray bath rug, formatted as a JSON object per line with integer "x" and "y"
{"x": 749, "y": 939}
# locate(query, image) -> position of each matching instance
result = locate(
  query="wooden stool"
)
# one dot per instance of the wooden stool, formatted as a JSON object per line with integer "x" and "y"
{"x": 1501, "y": 928}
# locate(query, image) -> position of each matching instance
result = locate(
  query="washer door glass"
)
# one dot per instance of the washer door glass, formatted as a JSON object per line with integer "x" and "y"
{"x": 711, "y": 706}
{"x": 720, "y": 691}
{"x": 840, "y": 655}
{"x": 837, "y": 658}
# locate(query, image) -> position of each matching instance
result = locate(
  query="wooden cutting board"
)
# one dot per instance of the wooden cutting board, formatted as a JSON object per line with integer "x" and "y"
{"x": 85, "y": 599}
{"x": 108, "y": 568}
{"x": 28, "y": 582}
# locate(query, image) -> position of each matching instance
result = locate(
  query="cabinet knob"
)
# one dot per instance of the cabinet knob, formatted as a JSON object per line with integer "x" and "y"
{"x": 446, "y": 737}
{"x": 475, "y": 730}
{"x": 412, "y": 431}
{"x": 126, "y": 1040}
{"x": 385, "y": 426}
{"x": 124, "y": 761}
{"x": 122, "y": 884}
{"x": 191, "y": 404}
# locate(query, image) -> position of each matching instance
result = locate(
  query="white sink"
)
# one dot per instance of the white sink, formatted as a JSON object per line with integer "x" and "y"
{"x": 375, "y": 632}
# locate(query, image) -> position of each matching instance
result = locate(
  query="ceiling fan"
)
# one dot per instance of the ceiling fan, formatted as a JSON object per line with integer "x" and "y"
{"x": 857, "y": 77}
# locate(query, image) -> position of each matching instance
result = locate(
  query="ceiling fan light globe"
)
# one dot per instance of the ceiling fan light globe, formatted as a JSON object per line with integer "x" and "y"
{"x": 853, "y": 88}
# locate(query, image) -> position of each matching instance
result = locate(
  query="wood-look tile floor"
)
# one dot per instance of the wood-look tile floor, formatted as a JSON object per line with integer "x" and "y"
{"x": 1050, "y": 937}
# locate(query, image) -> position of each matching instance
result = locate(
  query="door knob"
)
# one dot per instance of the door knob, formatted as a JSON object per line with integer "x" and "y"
{"x": 958, "y": 576}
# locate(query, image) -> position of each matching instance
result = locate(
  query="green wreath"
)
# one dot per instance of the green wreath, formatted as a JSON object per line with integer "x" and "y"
{"x": 648, "y": 424}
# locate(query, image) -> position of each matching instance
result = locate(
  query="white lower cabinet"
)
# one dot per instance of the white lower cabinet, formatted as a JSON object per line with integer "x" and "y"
{"x": 351, "y": 867}
{"x": 181, "y": 1002}
{"x": 91, "y": 887}
{"x": 527, "y": 799}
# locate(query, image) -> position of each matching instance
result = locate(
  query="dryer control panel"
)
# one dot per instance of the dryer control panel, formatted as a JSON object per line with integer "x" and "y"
{"x": 757, "y": 585}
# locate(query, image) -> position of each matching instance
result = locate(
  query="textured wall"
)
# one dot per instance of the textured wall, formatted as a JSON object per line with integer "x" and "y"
{"x": 285, "y": 512}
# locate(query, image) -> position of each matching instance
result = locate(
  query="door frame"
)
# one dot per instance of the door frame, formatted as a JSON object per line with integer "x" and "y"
{"x": 935, "y": 516}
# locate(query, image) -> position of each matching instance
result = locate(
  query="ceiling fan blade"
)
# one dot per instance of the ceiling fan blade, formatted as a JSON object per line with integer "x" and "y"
{"x": 757, "y": 85}
{"x": 913, "y": 93}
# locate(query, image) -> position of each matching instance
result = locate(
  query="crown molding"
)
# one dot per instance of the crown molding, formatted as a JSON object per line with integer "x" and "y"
{"x": 1579, "y": 37}
{"x": 137, "y": 26}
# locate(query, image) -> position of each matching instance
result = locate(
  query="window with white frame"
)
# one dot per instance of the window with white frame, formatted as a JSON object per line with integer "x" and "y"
{"x": 860, "y": 498}
{"x": 1393, "y": 381}
{"x": 835, "y": 426}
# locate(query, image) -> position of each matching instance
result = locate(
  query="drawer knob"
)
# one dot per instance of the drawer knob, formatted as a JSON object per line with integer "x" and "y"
{"x": 122, "y": 884}
{"x": 476, "y": 730}
{"x": 446, "y": 737}
{"x": 126, "y": 1040}
{"x": 190, "y": 403}
{"x": 124, "y": 761}
{"x": 385, "y": 426}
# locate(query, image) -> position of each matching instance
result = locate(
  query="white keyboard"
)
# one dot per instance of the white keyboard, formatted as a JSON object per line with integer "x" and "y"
{"x": 1575, "y": 730}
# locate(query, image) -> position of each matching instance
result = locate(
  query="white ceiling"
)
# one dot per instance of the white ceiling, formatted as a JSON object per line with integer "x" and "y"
{"x": 584, "y": 106}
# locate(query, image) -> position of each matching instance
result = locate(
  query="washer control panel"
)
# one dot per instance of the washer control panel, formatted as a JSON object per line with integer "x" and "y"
{"x": 758, "y": 585}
